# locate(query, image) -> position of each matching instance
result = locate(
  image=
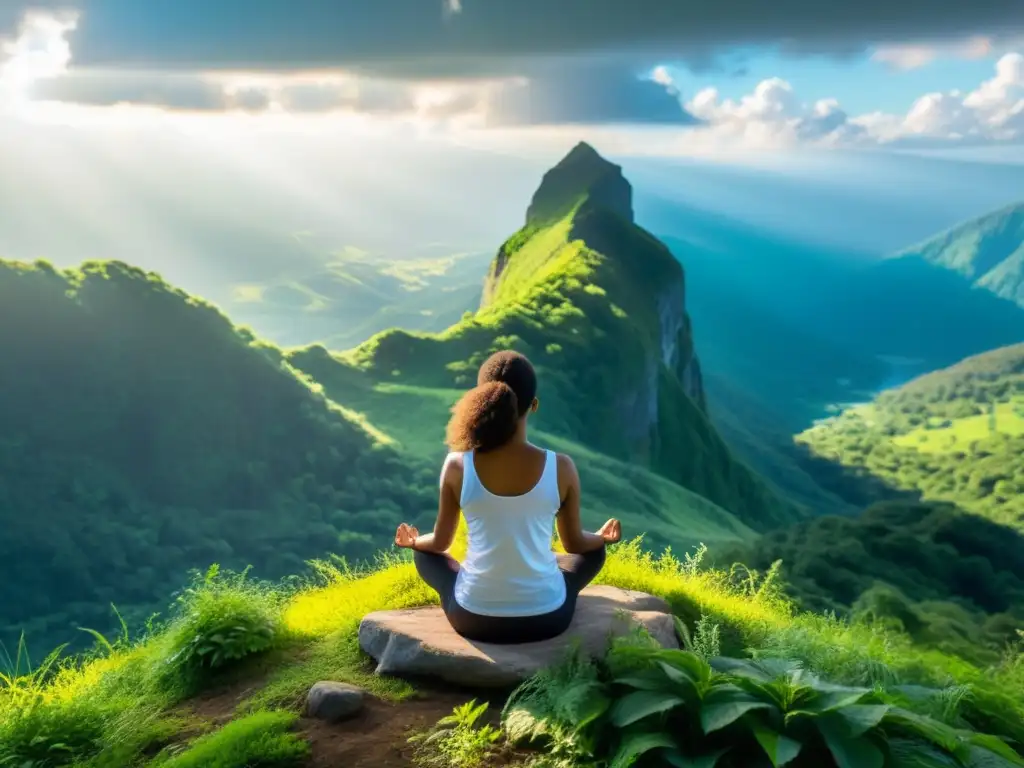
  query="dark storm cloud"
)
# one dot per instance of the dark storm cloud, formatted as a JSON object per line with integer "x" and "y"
{"x": 372, "y": 97}
{"x": 587, "y": 94}
{"x": 102, "y": 88}
{"x": 419, "y": 38}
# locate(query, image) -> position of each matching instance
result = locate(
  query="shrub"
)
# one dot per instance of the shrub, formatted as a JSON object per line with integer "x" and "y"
{"x": 647, "y": 706}
{"x": 221, "y": 620}
{"x": 259, "y": 740}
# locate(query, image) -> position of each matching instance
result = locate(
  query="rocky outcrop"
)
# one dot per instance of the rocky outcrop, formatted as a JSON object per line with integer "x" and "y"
{"x": 638, "y": 405}
{"x": 581, "y": 175}
{"x": 421, "y": 643}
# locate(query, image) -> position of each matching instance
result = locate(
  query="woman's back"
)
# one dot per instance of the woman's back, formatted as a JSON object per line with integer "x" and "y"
{"x": 510, "y": 568}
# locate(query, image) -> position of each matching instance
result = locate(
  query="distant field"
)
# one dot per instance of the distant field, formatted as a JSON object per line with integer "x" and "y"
{"x": 415, "y": 418}
{"x": 351, "y": 294}
{"x": 946, "y": 435}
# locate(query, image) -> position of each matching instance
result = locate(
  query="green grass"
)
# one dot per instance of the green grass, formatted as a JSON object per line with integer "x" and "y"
{"x": 259, "y": 740}
{"x": 951, "y": 435}
{"x": 106, "y": 710}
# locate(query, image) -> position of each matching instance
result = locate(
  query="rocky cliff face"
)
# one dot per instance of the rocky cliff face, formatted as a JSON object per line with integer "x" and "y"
{"x": 599, "y": 304}
{"x": 598, "y": 201}
{"x": 639, "y": 405}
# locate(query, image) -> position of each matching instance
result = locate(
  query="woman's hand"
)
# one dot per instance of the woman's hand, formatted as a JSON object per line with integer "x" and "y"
{"x": 406, "y": 536}
{"x": 611, "y": 531}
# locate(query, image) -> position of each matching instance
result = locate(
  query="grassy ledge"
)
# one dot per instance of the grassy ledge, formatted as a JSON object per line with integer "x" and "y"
{"x": 133, "y": 703}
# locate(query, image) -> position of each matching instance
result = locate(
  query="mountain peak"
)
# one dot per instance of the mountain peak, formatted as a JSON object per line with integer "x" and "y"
{"x": 581, "y": 176}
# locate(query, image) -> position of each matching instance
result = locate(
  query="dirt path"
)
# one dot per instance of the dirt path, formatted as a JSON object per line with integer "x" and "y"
{"x": 378, "y": 737}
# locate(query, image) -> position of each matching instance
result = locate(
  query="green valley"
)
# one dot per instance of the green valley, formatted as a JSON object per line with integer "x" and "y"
{"x": 346, "y": 295}
{"x": 954, "y": 435}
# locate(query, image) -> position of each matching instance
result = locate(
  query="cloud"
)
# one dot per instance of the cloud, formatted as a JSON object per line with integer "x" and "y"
{"x": 554, "y": 92}
{"x": 492, "y": 38}
{"x": 39, "y": 49}
{"x": 591, "y": 93}
{"x": 915, "y": 56}
{"x": 174, "y": 91}
{"x": 773, "y": 116}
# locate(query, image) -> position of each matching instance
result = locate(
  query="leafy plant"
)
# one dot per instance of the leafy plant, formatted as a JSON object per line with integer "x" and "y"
{"x": 457, "y": 741}
{"x": 649, "y": 706}
{"x": 223, "y": 620}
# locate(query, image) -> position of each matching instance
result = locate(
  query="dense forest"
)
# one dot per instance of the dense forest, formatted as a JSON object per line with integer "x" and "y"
{"x": 955, "y": 435}
{"x": 141, "y": 435}
{"x": 948, "y": 578}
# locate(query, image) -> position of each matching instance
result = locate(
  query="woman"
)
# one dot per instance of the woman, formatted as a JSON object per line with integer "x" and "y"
{"x": 512, "y": 588}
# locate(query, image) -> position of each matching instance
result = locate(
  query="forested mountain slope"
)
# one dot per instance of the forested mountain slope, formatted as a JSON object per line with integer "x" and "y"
{"x": 141, "y": 434}
{"x": 949, "y": 578}
{"x": 987, "y": 252}
{"x": 956, "y": 434}
{"x": 599, "y": 306}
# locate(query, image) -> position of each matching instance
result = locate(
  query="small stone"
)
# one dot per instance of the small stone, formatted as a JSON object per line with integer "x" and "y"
{"x": 421, "y": 642}
{"x": 334, "y": 702}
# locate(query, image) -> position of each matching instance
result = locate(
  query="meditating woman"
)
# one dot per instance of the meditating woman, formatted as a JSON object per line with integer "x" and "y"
{"x": 512, "y": 588}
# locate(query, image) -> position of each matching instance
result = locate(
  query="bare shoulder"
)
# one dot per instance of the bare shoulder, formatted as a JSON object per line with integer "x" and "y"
{"x": 453, "y": 468}
{"x": 566, "y": 468}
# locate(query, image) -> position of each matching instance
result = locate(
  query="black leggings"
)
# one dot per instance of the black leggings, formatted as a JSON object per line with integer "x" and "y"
{"x": 440, "y": 572}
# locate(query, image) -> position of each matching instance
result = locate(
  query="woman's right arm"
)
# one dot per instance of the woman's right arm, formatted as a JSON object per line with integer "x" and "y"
{"x": 574, "y": 539}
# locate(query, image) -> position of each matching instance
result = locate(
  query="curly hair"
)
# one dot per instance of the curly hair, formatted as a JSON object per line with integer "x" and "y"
{"x": 487, "y": 416}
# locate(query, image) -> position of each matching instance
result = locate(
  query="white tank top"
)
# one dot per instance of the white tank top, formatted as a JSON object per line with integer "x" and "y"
{"x": 510, "y": 568}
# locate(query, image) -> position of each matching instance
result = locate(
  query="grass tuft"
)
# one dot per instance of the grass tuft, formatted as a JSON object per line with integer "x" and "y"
{"x": 259, "y": 740}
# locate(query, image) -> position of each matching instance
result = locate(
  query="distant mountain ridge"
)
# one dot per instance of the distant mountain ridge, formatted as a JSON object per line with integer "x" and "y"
{"x": 987, "y": 251}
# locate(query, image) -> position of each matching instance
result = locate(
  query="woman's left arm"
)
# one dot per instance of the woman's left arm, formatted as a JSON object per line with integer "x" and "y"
{"x": 441, "y": 540}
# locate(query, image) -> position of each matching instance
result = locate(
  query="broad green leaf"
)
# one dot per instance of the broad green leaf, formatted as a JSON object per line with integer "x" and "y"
{"x": 925, "y": 728}
{"x": 676, "y": 675}
{"x": 726, "y": 704}
{"x": 996, "y": 745}
{"x": 646, "y": 680}
{"x": 835, "y": 698}
{"x": 848, "y": 752}
{"x": 595, "y": 705}
{"x": 861, "y": 718}
{"x": 707, "y": 760}
{"x": 741, "y": 668}
{"x": 689, "y": 663}
{"x": 640, "y": 704}
{"x": 634, "y": 745}
{"x": 910, "y": 753}
{"x": 780, "y": 749}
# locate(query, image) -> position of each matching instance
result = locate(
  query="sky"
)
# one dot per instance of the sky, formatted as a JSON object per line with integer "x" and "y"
{"x": 149, "y": 131}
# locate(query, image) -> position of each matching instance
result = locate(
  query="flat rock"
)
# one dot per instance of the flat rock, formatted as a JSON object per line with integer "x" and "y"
{"x": 334, "y": 702}
{"x": 421, "y": 642}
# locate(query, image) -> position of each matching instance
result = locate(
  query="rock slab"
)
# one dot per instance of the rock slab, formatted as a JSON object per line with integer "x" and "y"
{"x": 334, "y": 702}
{"x": 421, "y": 642}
